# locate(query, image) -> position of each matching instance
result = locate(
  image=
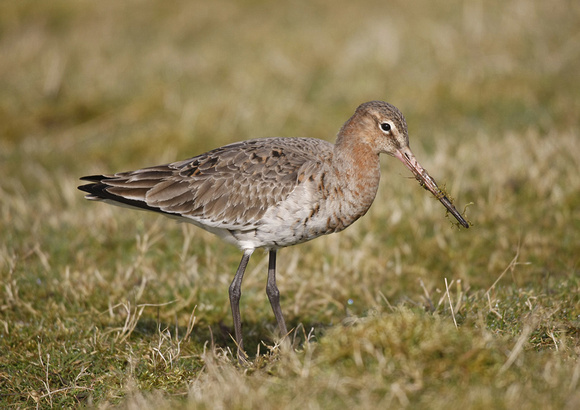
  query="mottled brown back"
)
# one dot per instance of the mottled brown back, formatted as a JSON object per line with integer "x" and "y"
{"x": 232, "y": 185}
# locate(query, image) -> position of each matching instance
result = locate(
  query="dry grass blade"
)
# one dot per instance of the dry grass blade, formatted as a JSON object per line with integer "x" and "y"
{"x": 519, "y": 346}
{"x": 450, "y": 303}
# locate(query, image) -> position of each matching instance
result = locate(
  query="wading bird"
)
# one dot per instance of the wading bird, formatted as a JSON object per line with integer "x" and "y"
{"x": 273, "y": 192}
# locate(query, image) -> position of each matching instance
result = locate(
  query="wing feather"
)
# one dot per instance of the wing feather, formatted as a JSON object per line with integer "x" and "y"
{"x": 230, "y": 186}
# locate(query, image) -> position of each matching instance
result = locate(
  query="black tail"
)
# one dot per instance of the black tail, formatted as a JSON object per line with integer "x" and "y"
{"x": 98, "y": 191}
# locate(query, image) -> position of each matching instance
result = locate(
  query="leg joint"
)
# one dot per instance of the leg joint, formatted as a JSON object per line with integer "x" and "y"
{"x": 235, "y": 292}
{"x": 272, "y": 291}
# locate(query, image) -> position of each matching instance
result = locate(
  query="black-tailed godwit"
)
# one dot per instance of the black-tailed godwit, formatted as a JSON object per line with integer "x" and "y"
{"x": 273, "y": 192}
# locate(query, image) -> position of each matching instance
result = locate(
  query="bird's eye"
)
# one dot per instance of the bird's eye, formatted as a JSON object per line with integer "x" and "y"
{"x": 385, "y": 126}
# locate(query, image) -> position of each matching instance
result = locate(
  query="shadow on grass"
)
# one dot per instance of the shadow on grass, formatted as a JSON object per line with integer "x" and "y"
{"x": 258, "y": 335}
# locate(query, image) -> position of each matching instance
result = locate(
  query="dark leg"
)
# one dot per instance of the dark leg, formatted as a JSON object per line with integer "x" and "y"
{"x": 235, "y": 293}
{"x": 274, "y": 294}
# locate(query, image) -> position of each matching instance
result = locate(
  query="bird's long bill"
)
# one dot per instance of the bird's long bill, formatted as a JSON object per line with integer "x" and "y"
{"x": 407, "y": 157}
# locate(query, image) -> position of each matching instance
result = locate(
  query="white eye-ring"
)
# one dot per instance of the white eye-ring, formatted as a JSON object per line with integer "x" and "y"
{"x": 386, "y": 127}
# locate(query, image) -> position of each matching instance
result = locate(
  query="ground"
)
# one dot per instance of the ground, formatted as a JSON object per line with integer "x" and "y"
{"x": 103, "y": 306}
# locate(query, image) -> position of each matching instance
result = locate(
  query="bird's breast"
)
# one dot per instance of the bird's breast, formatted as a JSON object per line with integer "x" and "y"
{"x": 321, "y": 204}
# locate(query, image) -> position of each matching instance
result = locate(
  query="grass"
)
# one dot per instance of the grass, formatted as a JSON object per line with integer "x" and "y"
{"x": 106, "y": 307}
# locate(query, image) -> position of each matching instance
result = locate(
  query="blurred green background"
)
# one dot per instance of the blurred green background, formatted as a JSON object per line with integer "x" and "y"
{"x": 491, "y": 95}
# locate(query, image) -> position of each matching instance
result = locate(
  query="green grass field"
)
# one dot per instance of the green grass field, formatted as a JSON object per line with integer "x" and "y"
{"x": 102, "y": 306}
